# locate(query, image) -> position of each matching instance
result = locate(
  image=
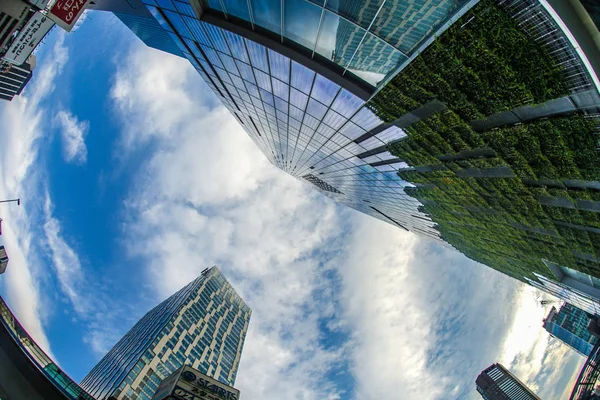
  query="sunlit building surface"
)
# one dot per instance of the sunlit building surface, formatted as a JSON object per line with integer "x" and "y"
{"x": 497, "y": 383}
{"x": 569, "y": 325}
{"x": 203, "y": 325}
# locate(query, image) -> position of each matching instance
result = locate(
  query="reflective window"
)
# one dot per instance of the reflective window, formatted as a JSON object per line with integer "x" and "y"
{"x": 280, "y": 66}
{"x": 316, "y": 109}
{"x": 245, "y": 71}
{"x": 338, "y": 39}
{"x": 267, "y": 13}
{"x": 237, "y": 8}
{"x": 360, "y": 12}
{"x": 346, "y": 103}
{"x": 302, "y": 77}
{"x": 374, "y": 59}
{"x": 197, "y": 30}
{"x": 216, "y": 38}
{"x": 166, "y": 4}
{"x": 280, "y": 89}
{"x": 258, "y": 55}
{"x": 238, "y": 49}
{"x": 324, "y": 90}
{"x": 302, "y": 20}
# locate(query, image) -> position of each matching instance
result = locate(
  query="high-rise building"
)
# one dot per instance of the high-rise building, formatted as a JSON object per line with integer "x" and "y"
{"x": 302, "y": 96}
{"x": 13, "y": 78}
{"x": 497, "y": 383}
{"x": 569, "y": 325}
{"x": 3, "y": 259}
{"x": 416, "y": 113}
{"x": 203, "y": 325}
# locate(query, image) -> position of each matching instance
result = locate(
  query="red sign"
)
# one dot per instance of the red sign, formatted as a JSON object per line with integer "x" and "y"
{"x": 66, "y": 12}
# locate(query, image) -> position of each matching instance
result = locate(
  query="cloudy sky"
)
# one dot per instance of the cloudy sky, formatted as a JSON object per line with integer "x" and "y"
{"x": 134, "y": 178}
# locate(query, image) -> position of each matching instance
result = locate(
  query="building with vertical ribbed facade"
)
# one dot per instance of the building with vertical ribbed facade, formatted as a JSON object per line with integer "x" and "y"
{"x": 203, "y": 325}
{"x": 569, "y": 325}
{"x": 497, "y": 383}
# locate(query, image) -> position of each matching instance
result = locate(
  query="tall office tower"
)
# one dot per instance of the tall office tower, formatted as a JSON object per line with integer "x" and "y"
{"x": 570, "y": 326}
{"x": 302, "y": 95}
{"x": 497, "y": 383}
{"x": 419, "y": 114}
{"x": 13, "y": 78}
{"x": 203, "y": 325}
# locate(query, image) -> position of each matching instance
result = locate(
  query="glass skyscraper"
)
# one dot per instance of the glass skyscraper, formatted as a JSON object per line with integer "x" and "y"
{"x": 569, "y": 324}
{"x": 497, "y": 383}
{"x": 297, "y": 74}
{"x": 203, "y": 325}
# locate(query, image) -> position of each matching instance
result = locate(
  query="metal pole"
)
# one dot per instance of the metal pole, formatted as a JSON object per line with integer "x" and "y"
{"x": 12, "y": 200}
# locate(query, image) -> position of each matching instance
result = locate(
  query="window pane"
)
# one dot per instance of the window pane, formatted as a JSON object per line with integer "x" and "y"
{"x": 324, "y": 90}
{"x": 245, "y": 71}
{"x": 197, "y": 30}
{"x": 280, "y": 66}
{"x": 366, "y": 119}
{"x": 374, "y": 59}
{"x": 217, "y": 39}
{"x": 262, "y": 80}
{"x": 184, "y": 9}
{"x": 212, "y": 57}
{"x": 298, "y": 98}
{"x": 237, "y": 8}
{"x": 302, "y": 22}
{"x": 302, "y": 77}
{"x": 236, "y": 43}
{"x": 392, "y": 133}
{"x": 346, "y": 103}
{"x": 166, "y": 4}
{"x": 258, "y": 55}
{"x": 267, "y": 13}
{"x": 280, "y": 89}
{"x": 360, "y": 12}
{"x": 316, "y": 109}
{"x": 338, "y": 39}
{"x": 215, "y": 5}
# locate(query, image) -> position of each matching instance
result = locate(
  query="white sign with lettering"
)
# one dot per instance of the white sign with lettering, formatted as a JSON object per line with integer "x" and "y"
{"x": 29, "y": 37}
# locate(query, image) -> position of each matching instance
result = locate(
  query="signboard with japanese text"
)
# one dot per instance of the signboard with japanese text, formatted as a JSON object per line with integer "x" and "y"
{"x": 190, "y": 384}
{"x": 27, "y": 40}
{"x": 66, "y": 12}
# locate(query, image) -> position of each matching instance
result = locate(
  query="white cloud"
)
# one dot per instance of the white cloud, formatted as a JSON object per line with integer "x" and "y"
{"x": 208, "y": 196}
{"x": 73, "y": 133}
{"x": 22, "y": 129}
{"x": 423, "y": 320}
{"x": 65, "y": 261}
{"x": 427, "y": 321}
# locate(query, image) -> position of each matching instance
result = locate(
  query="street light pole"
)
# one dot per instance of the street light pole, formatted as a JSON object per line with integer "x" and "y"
{"x": 12, "y": 200}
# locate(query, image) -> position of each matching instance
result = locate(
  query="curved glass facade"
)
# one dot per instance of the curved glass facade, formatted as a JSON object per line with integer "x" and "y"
{"x": 368, "y": 38}
{"x": 202, "y": 325}
{"x": 303, "y": 122}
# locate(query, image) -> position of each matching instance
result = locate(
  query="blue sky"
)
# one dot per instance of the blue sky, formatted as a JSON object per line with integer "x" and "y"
{"x": 134, "y": 179}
